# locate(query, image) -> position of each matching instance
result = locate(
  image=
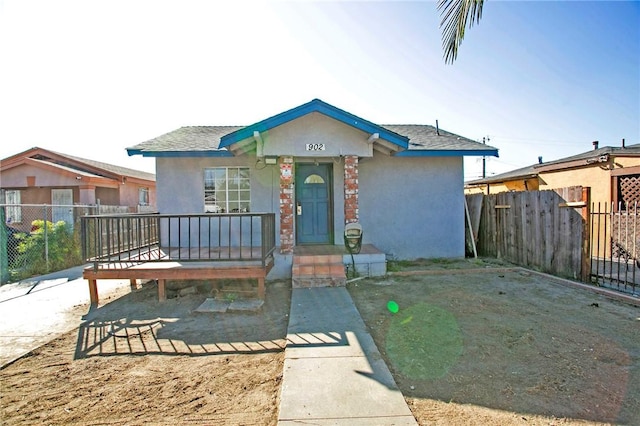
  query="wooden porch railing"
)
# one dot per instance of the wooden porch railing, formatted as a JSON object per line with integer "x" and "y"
{"x": 141, "y": 238}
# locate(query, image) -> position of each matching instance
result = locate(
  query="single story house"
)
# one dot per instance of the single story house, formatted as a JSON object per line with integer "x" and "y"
{"x": 41, "y": 176}
{"x": 318, "y": 168}
{"x": 612, "y": 173}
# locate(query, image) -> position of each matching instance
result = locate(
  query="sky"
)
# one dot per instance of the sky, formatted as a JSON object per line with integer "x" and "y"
{"x": 533, "y": 78}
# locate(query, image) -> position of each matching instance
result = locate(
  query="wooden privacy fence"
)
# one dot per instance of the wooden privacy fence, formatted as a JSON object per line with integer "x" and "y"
{"x": 543, "y": 230}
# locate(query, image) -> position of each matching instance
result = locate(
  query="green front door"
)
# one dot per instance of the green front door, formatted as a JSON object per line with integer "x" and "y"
{"x": 313, "y": 204}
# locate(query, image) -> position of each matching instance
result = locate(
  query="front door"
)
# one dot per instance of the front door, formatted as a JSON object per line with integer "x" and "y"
{"x": 62, "y": 200}
{"x": 313, "y": 204}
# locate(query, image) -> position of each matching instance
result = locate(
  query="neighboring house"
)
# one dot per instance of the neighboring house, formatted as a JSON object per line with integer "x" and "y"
{"x": 40, "y": 176}
{"x": 612, "y": 173}
{"x": 318, "y": 167}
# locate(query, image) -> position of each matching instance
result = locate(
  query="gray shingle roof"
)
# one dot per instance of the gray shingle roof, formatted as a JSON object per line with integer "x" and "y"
{"x": 632, "y": 150}
{"x": 425, "y": 137}
{"x": 532, "y": 171}
{"x": 207, "y": 138}
{"x": 186, "y": 139}
{"x": 522, "y": 173}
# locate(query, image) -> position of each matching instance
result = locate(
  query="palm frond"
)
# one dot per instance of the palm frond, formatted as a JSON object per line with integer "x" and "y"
{"x": 455, "y": 14}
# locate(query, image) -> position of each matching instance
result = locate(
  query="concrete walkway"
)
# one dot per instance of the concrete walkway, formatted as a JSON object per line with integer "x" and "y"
{"x": 333, "y": 371}
{"x": 37, "y": 310}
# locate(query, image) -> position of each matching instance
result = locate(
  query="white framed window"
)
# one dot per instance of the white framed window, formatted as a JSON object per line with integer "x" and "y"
{"x": 13, "y": 213}
{"x": 227, "y": 190}
{"x": 143, "y": 196}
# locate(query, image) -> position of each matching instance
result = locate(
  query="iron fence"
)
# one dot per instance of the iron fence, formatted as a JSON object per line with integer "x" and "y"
{"x": 141, "y": 238}
{"x": 615, "y": 247}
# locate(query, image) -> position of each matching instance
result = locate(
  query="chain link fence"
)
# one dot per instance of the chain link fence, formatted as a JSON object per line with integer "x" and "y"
{"x": 37, "y": 239}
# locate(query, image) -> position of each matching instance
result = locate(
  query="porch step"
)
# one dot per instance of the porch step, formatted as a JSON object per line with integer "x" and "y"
{"x": 318, "y": 271}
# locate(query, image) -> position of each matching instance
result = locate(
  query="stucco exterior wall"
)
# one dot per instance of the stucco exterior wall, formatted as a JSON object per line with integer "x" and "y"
{"x": 409, "y": 207}
{"x": 180, "y": 190}
{"x": 35, "y": 184}
{"x": 413, "y": 207}
{"x": 108, "y": 196}
{"x": 620, "y": 162}
{"x": 338, "y": 138}
{"x": 595, "y": 177}
{"x": 129, "y": 194}
{"x": 17, "y": 178}
{"x": 180, "y": 183}
{"x": 511, "y": 185}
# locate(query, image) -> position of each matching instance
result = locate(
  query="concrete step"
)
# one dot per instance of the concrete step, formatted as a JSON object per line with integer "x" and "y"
{"x": 318, "y": 271}
{"x": 312, "y": 282}
{"x": 316, "y": 259}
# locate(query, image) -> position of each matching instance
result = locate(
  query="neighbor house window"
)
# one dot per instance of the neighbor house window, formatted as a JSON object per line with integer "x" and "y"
{"x": 13, "y": 213}
{"x": 143, "y": 196}
{"x": 227, "y": 190}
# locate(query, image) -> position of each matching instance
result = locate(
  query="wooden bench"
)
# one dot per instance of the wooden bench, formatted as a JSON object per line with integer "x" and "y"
{"x": 161, "y": 272}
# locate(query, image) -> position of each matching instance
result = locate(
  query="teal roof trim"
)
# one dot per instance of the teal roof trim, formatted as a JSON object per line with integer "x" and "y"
{"x": 448, "y": 153}
{"x": 315, "y": 105}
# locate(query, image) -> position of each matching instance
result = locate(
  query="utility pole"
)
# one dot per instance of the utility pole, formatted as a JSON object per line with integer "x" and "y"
{"x": 484, "y": 163}
{"x": 484, "y": 160}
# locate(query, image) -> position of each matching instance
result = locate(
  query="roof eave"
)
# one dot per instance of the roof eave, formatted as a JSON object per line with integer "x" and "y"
{"x": 501, "y": 180}
{"x": 447, "y": 153}
{"x": 584, "y": 162}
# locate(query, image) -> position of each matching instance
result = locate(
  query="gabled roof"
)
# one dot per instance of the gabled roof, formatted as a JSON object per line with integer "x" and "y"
{"x": 75, "y": 164}
{"x": 216, "y": 141}
{"x": 315, "y": 105}
{"x": 594, "y": 156}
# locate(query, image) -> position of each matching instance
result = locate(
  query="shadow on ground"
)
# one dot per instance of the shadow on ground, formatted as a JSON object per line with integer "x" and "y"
{"x": 137, "y": 324}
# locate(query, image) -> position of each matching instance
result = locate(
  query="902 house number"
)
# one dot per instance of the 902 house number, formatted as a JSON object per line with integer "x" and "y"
{"x": 315, "y": 147}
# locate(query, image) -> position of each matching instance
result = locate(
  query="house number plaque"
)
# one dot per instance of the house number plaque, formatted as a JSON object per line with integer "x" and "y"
{"x": 315, "y": 147}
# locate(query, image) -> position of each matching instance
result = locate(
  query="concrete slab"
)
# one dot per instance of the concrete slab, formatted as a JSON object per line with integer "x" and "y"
{"x": 213, "y": 305}
{"x": 323, "y": 309}
{"x": 38, "y": 310}
{"x": 330, "y": 388}
{"x": 365, "y": 421}
{"x": 325, "y": 315}
{"x": 246, "y": 305}
{"x": 329, "y": 344}
{"x": 333, "y": 372}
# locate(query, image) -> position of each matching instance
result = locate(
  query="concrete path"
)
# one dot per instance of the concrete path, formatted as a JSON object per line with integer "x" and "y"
{"x": 333, "y": 371}
{"x": 35, "y": 311}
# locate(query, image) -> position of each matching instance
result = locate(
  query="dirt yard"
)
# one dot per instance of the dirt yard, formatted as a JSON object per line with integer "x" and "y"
{"x": 138, "y": 362}
{"x": 504, "y": 347}
{"x": 465, "y": 348}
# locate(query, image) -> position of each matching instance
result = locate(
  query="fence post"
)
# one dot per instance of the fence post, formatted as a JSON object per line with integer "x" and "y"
{"x": 585, "y": 275}
{"x": 46, "y": 236}
{"x": 4, "y": 252}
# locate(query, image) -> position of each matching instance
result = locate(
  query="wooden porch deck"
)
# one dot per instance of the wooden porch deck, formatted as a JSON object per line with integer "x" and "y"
{"x": 169, "y": 263}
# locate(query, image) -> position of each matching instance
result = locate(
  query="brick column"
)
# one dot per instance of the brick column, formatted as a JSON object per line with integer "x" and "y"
{"x": 286, "y": 213}
{"x": 351, "y": 213}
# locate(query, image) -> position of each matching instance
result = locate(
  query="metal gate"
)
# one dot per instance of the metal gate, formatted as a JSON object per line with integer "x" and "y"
{"x": 615, "y": 247}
